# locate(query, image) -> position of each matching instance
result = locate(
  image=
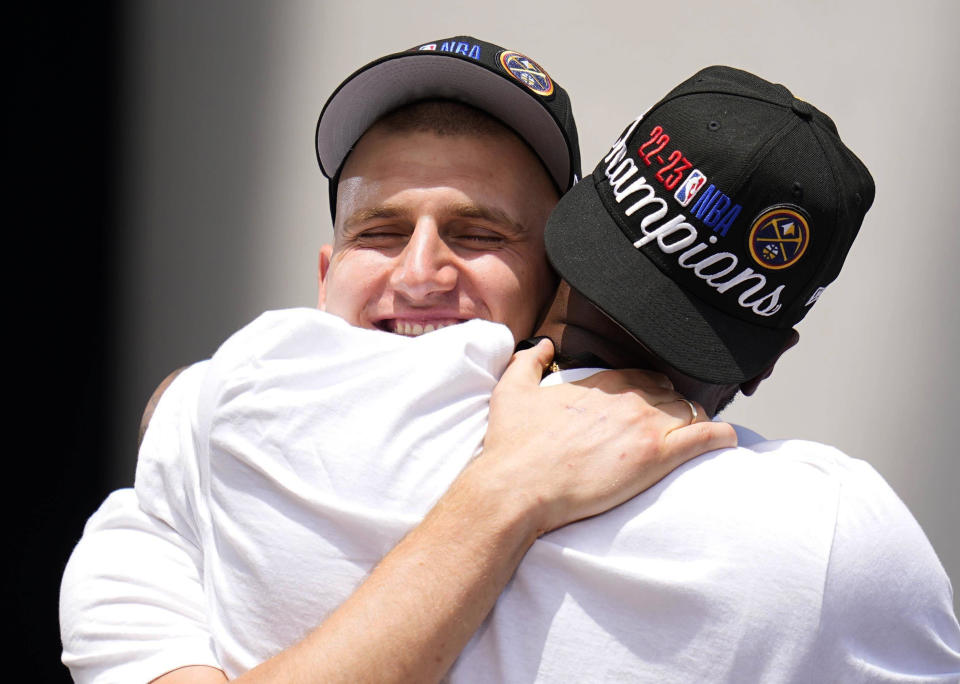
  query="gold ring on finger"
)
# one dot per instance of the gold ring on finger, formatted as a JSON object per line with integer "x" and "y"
{"x": 693, "y": 410}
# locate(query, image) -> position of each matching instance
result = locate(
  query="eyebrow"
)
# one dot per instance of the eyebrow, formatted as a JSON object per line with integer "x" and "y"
{"x": 363, "y": 215}
{"x": 491, "y": 214}
{"x": 458, "y": 210}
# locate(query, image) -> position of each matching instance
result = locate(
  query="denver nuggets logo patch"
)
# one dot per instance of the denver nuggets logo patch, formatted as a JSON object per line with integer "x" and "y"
{"x": 527, "y": 72}
{"x": 779, "y": 237}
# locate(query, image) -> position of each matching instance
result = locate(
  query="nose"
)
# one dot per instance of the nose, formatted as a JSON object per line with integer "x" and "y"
{"x": 426, "y": 264}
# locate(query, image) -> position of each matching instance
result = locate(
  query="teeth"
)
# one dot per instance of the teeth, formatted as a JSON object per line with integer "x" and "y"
{"x": 410, "y": 329}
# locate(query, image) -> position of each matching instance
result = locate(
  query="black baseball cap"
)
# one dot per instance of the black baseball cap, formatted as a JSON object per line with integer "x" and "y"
{"x": 503, "y": 83}
{"x": 714, "y": 223}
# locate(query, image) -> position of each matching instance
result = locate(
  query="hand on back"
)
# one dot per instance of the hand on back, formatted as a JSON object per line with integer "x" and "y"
{"x": 577, "y": 449}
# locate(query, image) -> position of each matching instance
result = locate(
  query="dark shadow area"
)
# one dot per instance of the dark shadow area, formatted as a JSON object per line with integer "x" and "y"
{"x": 62, "y": 136}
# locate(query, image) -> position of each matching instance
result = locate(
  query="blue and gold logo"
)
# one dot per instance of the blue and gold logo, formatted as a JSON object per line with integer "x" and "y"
{"x": 779, "y": 237}
{"x": 527, "y": 72}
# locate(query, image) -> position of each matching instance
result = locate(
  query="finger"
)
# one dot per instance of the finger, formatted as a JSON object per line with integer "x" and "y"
{"x": 684, "y": 410}
{"x": 526, "y": 367}
{"x": 693, "y": 440}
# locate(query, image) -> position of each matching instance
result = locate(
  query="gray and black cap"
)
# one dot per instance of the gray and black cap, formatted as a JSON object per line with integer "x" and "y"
{"x": 505, "y": 84}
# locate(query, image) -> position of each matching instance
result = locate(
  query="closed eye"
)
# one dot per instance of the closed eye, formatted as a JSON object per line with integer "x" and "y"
{"x": 381, "y": 236}
{"x": 478, "y": 237}
{"x": 484, "y": 238}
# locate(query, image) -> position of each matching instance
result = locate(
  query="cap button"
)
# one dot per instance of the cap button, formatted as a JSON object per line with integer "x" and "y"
{"x": 802, "y": 109}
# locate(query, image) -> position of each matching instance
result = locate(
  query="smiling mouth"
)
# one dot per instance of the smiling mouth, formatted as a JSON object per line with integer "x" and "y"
{"x": 413, "y": 327}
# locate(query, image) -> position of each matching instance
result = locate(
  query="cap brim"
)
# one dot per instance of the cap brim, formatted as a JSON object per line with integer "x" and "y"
{"x": 408, "y": 77}
{"x": 588, "y": 249}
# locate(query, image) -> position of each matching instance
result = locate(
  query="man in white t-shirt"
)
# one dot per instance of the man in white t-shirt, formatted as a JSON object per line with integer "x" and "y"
{"x": 764, "y": 562}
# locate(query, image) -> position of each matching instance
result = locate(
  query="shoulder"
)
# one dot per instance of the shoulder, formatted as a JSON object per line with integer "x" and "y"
{"x": 866, "y": 517}
{"x": 284, "y": 332}
{"x": 886, "y": 608}
{"x": 813, "y": 516}
{"x": 155, "y": 399}
{"x": 261, "y": 333}
{"x": 888, "y": 603}
{"x": 166, "y": 446}
{"x": 169, "y": 400}
{"x": 309, "y": 349}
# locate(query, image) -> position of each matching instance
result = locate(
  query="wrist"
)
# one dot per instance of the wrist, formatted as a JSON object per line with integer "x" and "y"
{"x": 493, "y": 502}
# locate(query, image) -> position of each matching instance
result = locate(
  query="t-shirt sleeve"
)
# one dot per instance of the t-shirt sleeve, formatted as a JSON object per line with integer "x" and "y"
{"x": 132, "y": 605}
{"x": 168, "y": 468}
{"x": 131, "y": 600}
{"x": 887, "y": 613}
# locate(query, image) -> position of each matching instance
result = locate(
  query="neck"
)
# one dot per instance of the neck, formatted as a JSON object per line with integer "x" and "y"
{"x": 585, "y": 335}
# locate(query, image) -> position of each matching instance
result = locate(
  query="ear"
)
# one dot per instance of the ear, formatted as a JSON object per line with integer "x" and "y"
{"x": 323, "y": 267}
{"x": 751, "y": 385}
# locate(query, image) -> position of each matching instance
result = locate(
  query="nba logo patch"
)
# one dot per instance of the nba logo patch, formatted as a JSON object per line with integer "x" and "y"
{"x": 686, "y": 192}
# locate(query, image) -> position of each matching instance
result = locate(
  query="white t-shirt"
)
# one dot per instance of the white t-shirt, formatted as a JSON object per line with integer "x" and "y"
{"x": 273, "y": 477}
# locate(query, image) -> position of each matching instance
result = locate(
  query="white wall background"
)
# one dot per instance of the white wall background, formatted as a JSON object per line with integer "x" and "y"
{"x": 225, "y": 207}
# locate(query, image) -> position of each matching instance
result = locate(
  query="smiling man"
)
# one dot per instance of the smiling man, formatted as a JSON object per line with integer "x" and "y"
{"x": 436, "y": 229}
